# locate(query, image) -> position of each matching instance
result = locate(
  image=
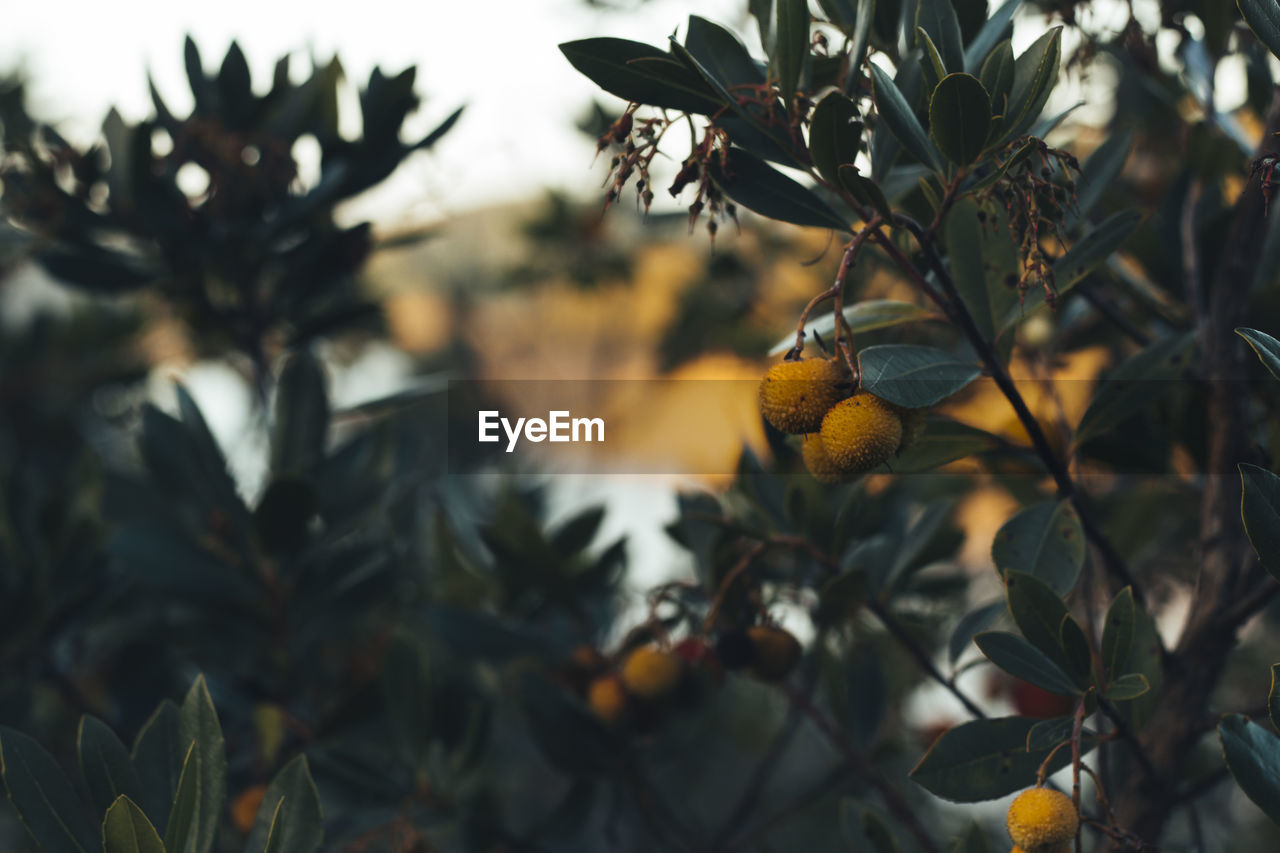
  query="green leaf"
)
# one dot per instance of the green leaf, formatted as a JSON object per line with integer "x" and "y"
{"x": 158, "y": 754}
{"x": 877, "y": 832}
{"x": 913, "y": 376}
{"x": 995, "y": 30}
{"x": 1034, "y": 74}
{"x": 997, "y": 76}
{"x": 1098, "y": 175}
{"x": 932, "y": 67}
{"x": 901, "y": 120}
{"x": 983, "y": 759}
{"x": 1267, "y": 348}
{"x": 1075, "y": 645}
{"x": 959, "y": 118}
{"x": 1047, "y": 734}
{"x": 1263, "y": 17}
{"x": 1273, "y": 696}
{"x": 1117, "y": 634}
{"x": 835, "y": 135}
{"x": 1144, "y": 658}
{"x": 1038, "y": 612}
{"x": 866, "y": 191}
{"x": 1024, "y": 661}
{"x": 944, "y": 440}
{"x": 43, "y": 797}
{"x": 613, "y": 65}
{"x": 289, "y": 819}
{"x": 862, "y": 317}
{"x": 301, "y": 430}
{"x": 1044, "y": 540}
{"x": 125, "y": 829}
{"x": 791, "y": 48}
{"x": 971, "y": 623}
{"x": 564, "y": 731}
{"x": 858, "y": 41}
{"x": 104, "y": 762}
{"x": 1253, "y": 755}
{"x": 198, "y": 723}
{"x": 1260, "y": 509}
{"x": 963, "y": 238}
{"x": 1128, "y": 686}
{"x": 759, "y": 187}
{"x": 938, "y": 19}
{"x": 719, "y": 52}
{"x": 1135, "y": 384}
{"x": 183, "y": 821}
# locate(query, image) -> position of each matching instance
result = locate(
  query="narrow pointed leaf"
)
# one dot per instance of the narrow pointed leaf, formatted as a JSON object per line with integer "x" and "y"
{"x": 791, "y": 46}
{"x": 759, "y": 187}
{"x": 125, "y": 829}
{"x": 1024, "y": 661}
{"x": 1117, "y": 634}
{"x": 997, "y": 76}
{"x": 1038, "y": 612}
{"x": 43, "y": 797}
{"x": 1253, "y": 756}
{"x": 901, "y": 120}
{"x": 1260, "y": 509}
{"x": 158, "y": 754}
{"x": 1034, "y": 74}
{"x": 181, "y": 834}
{"x": 612, "y": 64}
{"x": 995, "y": 30}
{"x": 105, "y": 765}
{"x": 1267, "y": 348}
{"x": 1098, "y": 174}
{"x": 938, "y": 19}
{"x": 198, "y": 723}
{"x": 289, "y": 819}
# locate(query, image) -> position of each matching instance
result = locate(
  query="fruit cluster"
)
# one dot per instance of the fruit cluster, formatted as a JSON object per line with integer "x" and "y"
{"x": 1042, "y": 820}
{"x": 637, "y": 686}
{"x": 846, "y": 431}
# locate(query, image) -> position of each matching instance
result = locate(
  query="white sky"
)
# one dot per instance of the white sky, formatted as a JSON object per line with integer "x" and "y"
{"x": 498, "y": 57}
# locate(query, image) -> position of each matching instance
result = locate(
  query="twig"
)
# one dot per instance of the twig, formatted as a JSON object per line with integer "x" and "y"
{"x": 922, "y": 658}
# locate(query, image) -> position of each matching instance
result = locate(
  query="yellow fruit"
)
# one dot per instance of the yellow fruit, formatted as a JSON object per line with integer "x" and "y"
{"x": 794, "y": 395}
{"x": 607, "y": 699}
{"x": 1041, "y": 820}
{"x": 912, "y": 427}
{"x": 776, "y": 652}
{"x": 818, "y": 462}
{"x": 244, "y": 808}
{"x": 650, "y": 673}
{"x": 861, "y": 432}
{"x": 1066, "y": 847}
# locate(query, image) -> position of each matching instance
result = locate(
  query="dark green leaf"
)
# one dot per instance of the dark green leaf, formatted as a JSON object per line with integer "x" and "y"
{"x": 1044, "y": 540}
{"x": 125, "y": 829}
{"x": 183, "y": 821}
{"x": 1263, "y": 17}
{"x": 576, "y": 534}
{"x": 289, "y": 819}
{"x": 762, "y": 11}
{"x": 1260, "y": 508}
{"x": 944, "y": 440}
{"x": 978, "y": 619}
{"x": 43, "y": 797}
{"x": 997, "y": 76}
{"x": 759, "y": 187}
{"x": 1253, "y": 755}
{"x": 1038, "y": 612}
{"x": 982, "y": 760}
{"x": 1267, "y": 348}
{"x": 862, "y": 317}
{"x": 301, "y": 430}
{"x": 995, "y": 30}
{"x": 234, "y": 87}
{"x": 877, "y": 833}
{"x": 1128, "y": 686}
{"x": 1075, "y": 645}
{"x": 1135, "y": 384}
{"x": 1144, "y": 658}
{"x": 612, "y": 64}
{"x": 913, "y": 376}
{"x": 932, "y": 68}
{"x": 959, "y": 118}
{"x": 901, "y": 120}
{"x": 200, "y": 88}
{"x": 858, "y": 41}
{"x": 720, "y": 53}
{"x": 1047, "y": 734}
{"x": 97, "y": 269}
{"x": 974, "y": 840}
{"x": 198, "y": 723}
{"x": 866, "y": 191}
{"x": 1034, "y": 74}
{"x": 1098, "y": 175}
{"x": 157, "y": 755}
{"x": 938, "y": 19}
{"x": 791, "y": 45}
{"x": 566, "y": 733}
{"x": 963, "y": 239}
{"x": 104, "y": 762}
{"x": 1024, "y": 661}
{"x": 1117, "y": 634}
{"x": 835, "y": 134}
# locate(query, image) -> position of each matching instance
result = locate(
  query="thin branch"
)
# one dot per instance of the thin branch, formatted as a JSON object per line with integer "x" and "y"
{"x": 921, "y": 657}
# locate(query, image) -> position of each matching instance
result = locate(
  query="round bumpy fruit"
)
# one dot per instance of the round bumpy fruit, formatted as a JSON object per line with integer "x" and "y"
{"x": 776, "y": 652}
{"x": 860, "y": 433}
{"x": 1041, "y": 820}
{"x": 817, "y": 461}
{"x": 795, "y": 395}
{"x": 1066, "y": 847}
{"x": 607, "y": 699}
{"x": 650, "y": 673}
